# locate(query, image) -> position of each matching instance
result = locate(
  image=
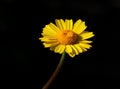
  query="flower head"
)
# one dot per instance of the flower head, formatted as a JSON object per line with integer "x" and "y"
{"x": 66, "y": 36}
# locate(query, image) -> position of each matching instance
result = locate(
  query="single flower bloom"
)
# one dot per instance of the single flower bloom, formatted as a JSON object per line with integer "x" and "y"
{"x": 66, "y": 36}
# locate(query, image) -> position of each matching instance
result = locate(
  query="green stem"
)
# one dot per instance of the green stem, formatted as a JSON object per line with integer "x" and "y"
{"x": 55, "y": 72}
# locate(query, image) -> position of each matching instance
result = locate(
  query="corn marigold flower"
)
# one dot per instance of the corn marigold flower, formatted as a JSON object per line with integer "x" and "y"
{"x": 66, "y": 36}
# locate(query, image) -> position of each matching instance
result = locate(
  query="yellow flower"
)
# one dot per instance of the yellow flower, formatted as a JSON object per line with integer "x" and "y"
{"x": 66, "y": 36}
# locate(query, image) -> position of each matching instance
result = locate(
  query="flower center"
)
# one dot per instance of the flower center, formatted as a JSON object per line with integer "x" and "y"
{"x": 67, "y": 37}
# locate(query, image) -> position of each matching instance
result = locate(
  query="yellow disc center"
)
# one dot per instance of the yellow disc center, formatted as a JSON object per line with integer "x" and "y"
{"x": 67, "y": 37}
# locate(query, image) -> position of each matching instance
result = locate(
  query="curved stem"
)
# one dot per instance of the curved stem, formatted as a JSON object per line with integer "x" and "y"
{"x": 55, "y": 72}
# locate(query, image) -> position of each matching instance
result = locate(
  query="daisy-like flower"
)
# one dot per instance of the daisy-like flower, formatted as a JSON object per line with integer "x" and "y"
{"x": 66, "y": 36}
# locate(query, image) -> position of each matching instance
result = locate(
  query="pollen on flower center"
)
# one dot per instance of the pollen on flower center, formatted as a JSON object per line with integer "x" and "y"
{"x": 67, "y": 37}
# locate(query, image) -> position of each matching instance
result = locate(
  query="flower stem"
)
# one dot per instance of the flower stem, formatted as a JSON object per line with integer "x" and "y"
{"x": 55, "y": 72}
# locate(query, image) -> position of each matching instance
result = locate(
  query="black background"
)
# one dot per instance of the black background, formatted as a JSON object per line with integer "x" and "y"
{"x": 27, "y": 64}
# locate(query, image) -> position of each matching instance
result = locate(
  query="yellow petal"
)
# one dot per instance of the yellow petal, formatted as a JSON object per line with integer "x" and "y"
{"x": 69, "y": 24}
{"x": 47, "y": 31}
{"x": 82, "y": 27}
{"x": 78, "y": 47}
{"x": 75, "y": 49}
{"x": 86, "y": 41}
{"x": 43, "y": 39}
{"x": 50, "y": 44}
{"x": 79, "y": 26}
{"x": 57, "y": 49}
{"x": 48, "y": 28}
{"x": 71, "y": 54}
{"x": 76, "y": 24}
{"x": 60, "y": 49}
{"x": 84, "y": 49}
{"x": 46, "y": 39}
{"x": 58, "y": 23}
{"x": 54, "y": 27}
{"x": 68, "y": 48}
{"x": 70, "y": 51}
{"x": 86, "y": 35}
{"x": 81, "y": 48}
{"x": 63, "y": 24}
{"x": 84, "y": 45}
